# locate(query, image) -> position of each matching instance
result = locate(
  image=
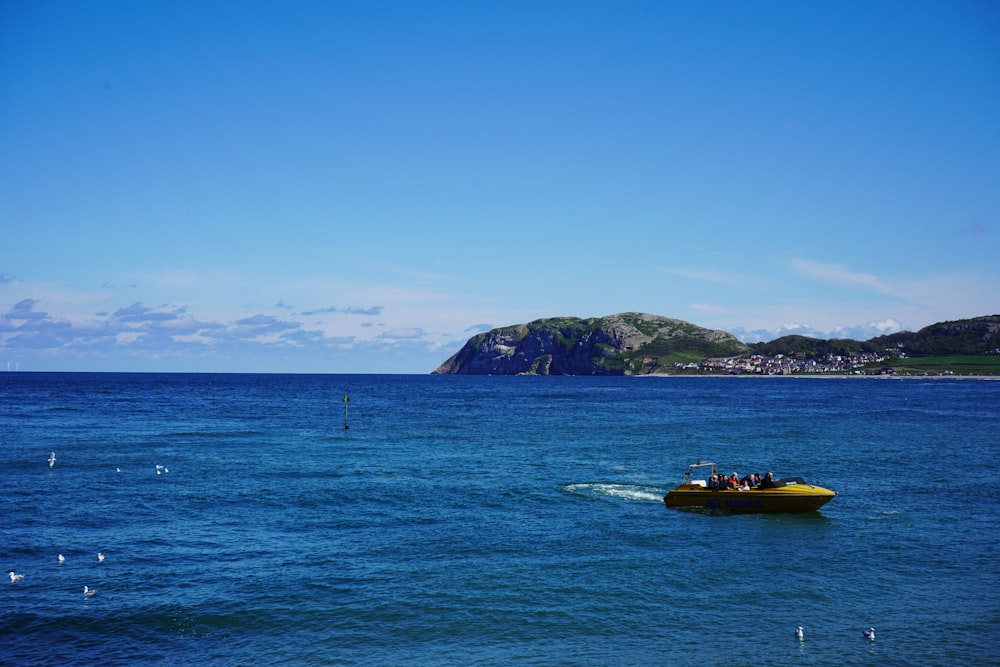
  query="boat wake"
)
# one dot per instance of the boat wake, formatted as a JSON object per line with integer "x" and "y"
{"x": 630, "y": 492}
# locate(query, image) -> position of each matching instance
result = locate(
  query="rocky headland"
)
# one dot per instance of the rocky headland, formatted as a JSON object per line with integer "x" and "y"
{"x": 643, "y": 344}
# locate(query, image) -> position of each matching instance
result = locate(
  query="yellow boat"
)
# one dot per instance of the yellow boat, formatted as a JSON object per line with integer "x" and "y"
{"x": 788, "y": 494}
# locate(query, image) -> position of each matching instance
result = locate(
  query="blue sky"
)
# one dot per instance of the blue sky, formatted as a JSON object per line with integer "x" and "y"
{"x": 349, "y": 187}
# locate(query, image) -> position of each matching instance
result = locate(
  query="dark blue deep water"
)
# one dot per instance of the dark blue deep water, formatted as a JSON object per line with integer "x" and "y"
{"x": 492, "y": 521}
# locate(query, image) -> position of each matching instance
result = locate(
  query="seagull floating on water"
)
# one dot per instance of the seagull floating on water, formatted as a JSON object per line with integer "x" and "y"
{"x": 100, "y": 558}
{"x": 62, "y": 559}
{"x": 15, "y": 577}
{"x": 52, "y": 459}
{"x": 88, "y": 592}
{"x": 869, "y": 634}
{"x": 799, "y": 634}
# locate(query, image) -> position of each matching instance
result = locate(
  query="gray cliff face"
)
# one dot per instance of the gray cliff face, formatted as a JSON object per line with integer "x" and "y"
{"x": 573, "y": 346}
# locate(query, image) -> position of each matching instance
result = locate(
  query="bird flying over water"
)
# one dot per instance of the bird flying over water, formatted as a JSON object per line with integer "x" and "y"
{"x": 52, "y": 459}
{"x": 868, "y": 634}
{"x": 88, "y": 592}
{"x": 799, "y": 634}
{"x": 15, "y": 577}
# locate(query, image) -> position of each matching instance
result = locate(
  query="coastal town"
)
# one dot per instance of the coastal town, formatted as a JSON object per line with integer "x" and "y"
{"x": 860, "y": 363}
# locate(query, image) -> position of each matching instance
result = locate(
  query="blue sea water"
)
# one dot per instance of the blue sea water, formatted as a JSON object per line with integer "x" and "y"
{"x": 492, "y": 521}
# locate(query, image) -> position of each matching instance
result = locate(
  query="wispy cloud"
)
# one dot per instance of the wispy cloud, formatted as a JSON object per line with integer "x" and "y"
{"x": 350, "y": 310}
{"x": 269, "y": 321}
{"x": 140, "y": 313}
{"x": 374, "y": 310}
{"x": 171, "y": 331}
{"x": 711, "y": 251}
{"x": 717, "y": 277}
{"x": 975, "y": 229}
{"x": 406, "y": 333}
{"x": 705, "y": 308}
{"x": 204, "y": 319}
{"x": 413, "y": 274}
{"x": 25, "y": 310}
{"x": 841, "y": 275}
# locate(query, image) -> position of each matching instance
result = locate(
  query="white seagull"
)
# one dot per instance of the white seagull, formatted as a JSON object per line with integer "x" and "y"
{"x": 15, "y": 577}
{"x": 100, "y": 557}
{"x": 52, "y": 459}
{"x": 799, "y": 634}
{"x": 88, "y": 592}
{"x": 62, "y": 559}
{"x": 868, "y": 634}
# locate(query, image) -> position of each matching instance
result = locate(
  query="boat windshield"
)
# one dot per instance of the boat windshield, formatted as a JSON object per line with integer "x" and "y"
{"x": 788, "y": 481}
{"x": 695, "y": 469}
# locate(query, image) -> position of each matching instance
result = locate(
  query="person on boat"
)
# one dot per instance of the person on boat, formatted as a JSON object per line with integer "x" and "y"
{"x": 767, "y": 482}
{"x": 713, "y": 482}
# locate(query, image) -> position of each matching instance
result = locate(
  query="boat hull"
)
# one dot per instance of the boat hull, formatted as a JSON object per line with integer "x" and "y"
{"x": 795, "y": 498}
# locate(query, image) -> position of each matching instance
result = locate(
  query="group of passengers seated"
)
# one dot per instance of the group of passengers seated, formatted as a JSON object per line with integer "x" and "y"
{"x": 751, "y": 481}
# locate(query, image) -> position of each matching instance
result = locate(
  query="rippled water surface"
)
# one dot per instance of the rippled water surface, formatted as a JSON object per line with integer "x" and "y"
{"x": 492, "y": 520}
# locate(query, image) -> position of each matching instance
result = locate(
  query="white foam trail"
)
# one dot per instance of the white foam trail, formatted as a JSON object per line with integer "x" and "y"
{"x": 624, "y": 491}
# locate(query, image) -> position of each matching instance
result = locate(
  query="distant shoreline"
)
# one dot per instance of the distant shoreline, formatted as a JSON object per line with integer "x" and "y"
{"x": 824, "y": 376}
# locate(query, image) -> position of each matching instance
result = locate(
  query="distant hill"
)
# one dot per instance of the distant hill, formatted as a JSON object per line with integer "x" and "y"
{"x": 623, "y": 344}
{"x": 811, "y": 348}
{"x": 978, "y": 335}
{"x": 643, "y": 344}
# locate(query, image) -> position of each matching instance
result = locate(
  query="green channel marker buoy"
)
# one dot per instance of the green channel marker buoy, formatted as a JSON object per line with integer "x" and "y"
{"x": 347, "y": 399}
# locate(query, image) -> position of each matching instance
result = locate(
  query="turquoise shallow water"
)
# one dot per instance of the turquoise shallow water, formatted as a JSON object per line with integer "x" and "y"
{"x": 492, "y": 520}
